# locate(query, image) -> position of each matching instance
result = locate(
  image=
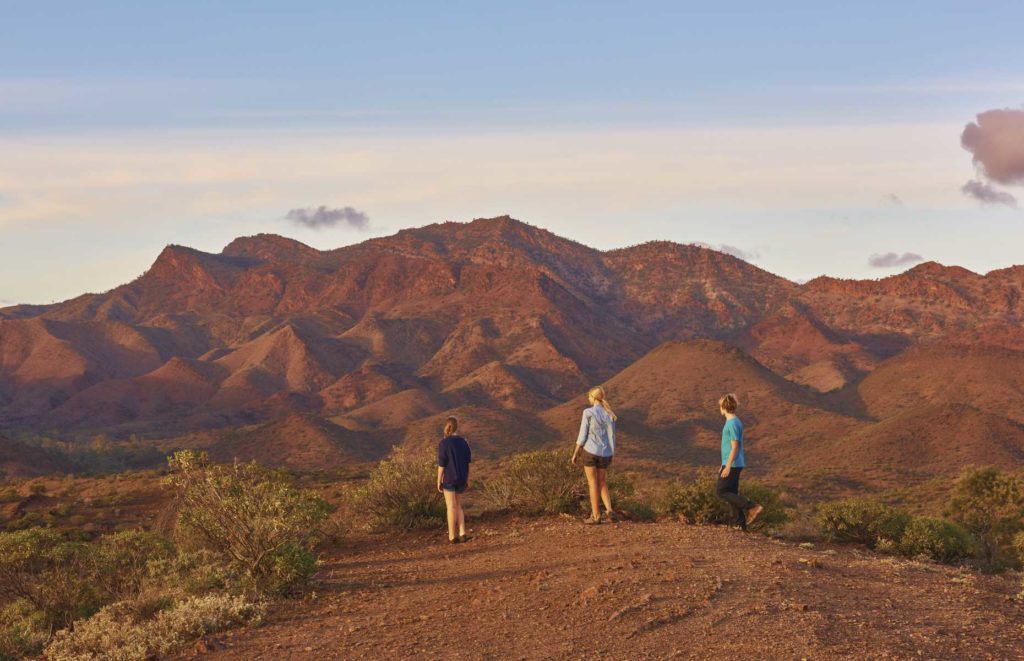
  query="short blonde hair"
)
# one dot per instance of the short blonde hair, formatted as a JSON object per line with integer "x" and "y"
{"x": 729, "y": 403}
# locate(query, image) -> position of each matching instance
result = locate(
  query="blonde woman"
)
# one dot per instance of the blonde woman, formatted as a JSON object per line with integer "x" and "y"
{"x": 453, "y": 459}
{"x": 597, "y": 442}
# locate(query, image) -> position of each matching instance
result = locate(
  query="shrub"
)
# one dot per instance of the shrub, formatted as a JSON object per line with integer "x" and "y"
{"x": 401, "y": 493}
{"x": 700, "y": 504}
{"x": 122, "y": 561}
{"x": 1018, "y": 546}
{"x": 247, "y": 513}
{"x": 23, "y": 631}
{"x": 9, "y": 495}
{"x": 861, "y": 521}
{"x": 939, "y": 540}
{"x": 990, "y": 505}
{"x": 540, "y": 482}
{"x": 635, "y": 509}
{"x": 114, "y": 634}
{"x": 52, "y": 574}
{"x": 191, "y": 573}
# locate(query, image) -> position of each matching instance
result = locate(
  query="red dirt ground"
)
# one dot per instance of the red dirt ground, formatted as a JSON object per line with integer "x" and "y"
{"x": 553, "y": 588}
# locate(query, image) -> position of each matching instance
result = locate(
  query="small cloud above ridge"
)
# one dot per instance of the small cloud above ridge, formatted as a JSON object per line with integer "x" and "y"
{"x": 322, "y": 216}
{"x": 892, "y": 259}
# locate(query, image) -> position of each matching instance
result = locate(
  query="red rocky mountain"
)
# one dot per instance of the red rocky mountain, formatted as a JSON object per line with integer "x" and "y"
{"x": 508, "y": 324}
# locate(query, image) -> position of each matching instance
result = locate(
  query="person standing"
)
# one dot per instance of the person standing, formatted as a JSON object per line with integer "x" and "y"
{"x": 728, "y": 487}
{"x": 453, "y": 459}
{"x": 597, "y": 442}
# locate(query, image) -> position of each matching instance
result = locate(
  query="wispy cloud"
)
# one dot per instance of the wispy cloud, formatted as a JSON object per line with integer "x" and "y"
{"x": 893, "y": 199}
{"x": 321, "y": 217}
{"x": 730, "y": 250}
{"x": 985, "y": 194}
{"x": 892, "y": 259}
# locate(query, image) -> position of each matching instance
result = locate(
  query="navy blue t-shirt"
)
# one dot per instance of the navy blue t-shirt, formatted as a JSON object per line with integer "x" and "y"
{"x": 453, "y": 456}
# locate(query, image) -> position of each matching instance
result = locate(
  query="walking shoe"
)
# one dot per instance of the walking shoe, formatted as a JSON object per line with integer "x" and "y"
{"x": 591, "y": 521}
{"x": 753, "y": 512}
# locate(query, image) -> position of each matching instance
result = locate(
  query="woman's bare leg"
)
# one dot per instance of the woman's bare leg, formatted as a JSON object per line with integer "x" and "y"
{"x": 594, "y": 488}
{"x": 461, "y": 520}
{"x": 451, "y": 503}
{"x": 606, "y": 495}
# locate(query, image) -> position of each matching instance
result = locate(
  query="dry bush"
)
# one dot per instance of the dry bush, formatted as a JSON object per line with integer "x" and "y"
{"x": 255, "y": 517}
{"x": 990, "y": 505}
{"x": 862, "y": 521}
{"x": 114, "y": 634}
{"x": 540, "y": 482}
{"x": 401, "y": 493}
{"x": 700, "y": 504}
{"x": 936, "y": 539}
{"x": 23, "y": 630}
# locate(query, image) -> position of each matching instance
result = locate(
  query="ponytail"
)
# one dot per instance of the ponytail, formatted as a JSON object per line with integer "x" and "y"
{"x": 451, "y": 425}
{"x": 597, "y": 393}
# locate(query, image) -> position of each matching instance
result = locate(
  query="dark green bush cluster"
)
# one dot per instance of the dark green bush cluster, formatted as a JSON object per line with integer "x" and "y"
{"x": 540, "y": 482}
{"x": 401, "y": 493}
{"x": 990, "y": 505}
{"x": 879, "y": 526}
{"x": 699, "y": 503}
{"x": 862, "y": 521}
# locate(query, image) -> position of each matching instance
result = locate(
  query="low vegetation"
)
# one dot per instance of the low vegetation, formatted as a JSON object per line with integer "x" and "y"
{"x": 242, "y": 533}
{"x": 400, "y": 493}
{"x": 699, "y": 504}
{"x": 540, "y": 482}
{"x": 990, "y": 505}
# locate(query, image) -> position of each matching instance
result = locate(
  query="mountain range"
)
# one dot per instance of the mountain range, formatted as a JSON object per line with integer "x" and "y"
{"x": 276, "y": 351}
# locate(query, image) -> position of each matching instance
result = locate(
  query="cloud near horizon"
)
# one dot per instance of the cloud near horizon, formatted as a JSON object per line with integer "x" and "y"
{"x": 996, "y": 143}
{"x": 893, "y": 199}
{"x": 985, "y": 194}
{"x": 891, "y": 259}
{"x": 321, "y": 217}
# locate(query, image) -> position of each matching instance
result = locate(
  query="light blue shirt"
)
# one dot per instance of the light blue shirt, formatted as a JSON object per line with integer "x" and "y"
{"x": 732, "y": 431}
{"x": 597, "y": 432}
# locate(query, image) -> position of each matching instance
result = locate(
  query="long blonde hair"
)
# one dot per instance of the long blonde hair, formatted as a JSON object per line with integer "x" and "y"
{"x": 597, "y": 394}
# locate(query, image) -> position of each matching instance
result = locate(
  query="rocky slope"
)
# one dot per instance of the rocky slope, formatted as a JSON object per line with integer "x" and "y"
{"x": 507, "y": 324}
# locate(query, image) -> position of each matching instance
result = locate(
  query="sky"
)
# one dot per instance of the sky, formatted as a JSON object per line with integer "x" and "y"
{"x": 807, "y": 137}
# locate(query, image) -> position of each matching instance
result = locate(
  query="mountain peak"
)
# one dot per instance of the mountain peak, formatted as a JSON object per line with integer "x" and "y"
{"x": 269, "y": 247}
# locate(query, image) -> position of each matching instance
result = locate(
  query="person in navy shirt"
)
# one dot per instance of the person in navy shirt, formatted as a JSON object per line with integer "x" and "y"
{"x": 728, "y": 487}
{"x": 453, "y": 459}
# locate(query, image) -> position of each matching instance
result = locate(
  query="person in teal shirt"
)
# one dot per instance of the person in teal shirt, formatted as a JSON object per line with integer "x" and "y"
{"x": 728, "y": 487}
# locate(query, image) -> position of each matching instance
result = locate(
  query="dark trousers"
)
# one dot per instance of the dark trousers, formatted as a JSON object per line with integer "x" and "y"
{"x": 728, "y": 489}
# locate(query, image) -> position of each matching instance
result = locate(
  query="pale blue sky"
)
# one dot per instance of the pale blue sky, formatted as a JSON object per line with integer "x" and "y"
{"x": 782, "y": 128}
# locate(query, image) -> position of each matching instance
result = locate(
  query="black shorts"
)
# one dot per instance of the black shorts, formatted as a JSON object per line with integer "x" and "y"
{"x": 454, "y": 488}
{"x": 595, "y": 461}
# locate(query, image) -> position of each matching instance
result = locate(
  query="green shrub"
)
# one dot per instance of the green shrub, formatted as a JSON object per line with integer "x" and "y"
{"x": 190, "y": 573}
{"x": 540, "y": 482}
{"x": 9, "y": 495}
{"x": 1018, "y": 546}
{"x": 290, "y": 566}
{"x": 247, "y": 513}
{"x": 990, "y": 505}
{"x": 52, "y": 574}
{"x": 700, "y": 504}
{"x": 37, "y": 489}
{"x": 23, "y": 630}
{"x": 113, "y": 633}
{"x": 938, "y": 539}
{"x": 401, "y": 493}
{"x": 121, "y": 561}
{"x": 861, "y": 521}
{"x": 634, "y": 509}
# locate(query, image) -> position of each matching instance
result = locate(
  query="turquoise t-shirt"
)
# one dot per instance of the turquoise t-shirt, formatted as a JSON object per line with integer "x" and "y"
{"x": 732, "y": 431}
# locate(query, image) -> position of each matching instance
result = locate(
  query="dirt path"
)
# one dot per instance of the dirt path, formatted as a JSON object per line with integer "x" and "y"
{"x": 555, "y": 589}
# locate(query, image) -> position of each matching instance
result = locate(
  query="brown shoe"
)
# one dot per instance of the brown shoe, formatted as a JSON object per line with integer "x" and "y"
{"x": 753, "y": 513}
{"x": 464, "y": 538}
{"x": 591, "y": 521}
